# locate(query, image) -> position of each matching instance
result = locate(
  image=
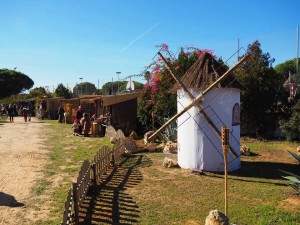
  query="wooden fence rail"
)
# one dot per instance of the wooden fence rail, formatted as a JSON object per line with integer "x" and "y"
{"x": 118, "y": 151}
{"x": 100, "y": 164}
{"x": 81, "y": 187}
{"x": 89, "y": 176}
{"x": 68, "y": 212}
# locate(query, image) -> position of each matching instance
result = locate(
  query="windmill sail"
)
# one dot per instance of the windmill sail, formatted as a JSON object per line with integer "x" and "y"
{"x": 198, "y": 98}
{"x": 130, "y": 86}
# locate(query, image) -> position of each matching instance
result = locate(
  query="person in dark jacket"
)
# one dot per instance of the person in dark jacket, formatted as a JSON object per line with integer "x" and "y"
{"x": 79, "y": 113}
{"x": 10, "y": 112}
{"x": 61, "y": 112}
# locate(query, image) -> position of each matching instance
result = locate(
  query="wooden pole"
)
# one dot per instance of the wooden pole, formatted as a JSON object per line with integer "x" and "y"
{"x": 225, "y": 143}
{"x": 198, "y": 99}
{"x": 225, "y": 177}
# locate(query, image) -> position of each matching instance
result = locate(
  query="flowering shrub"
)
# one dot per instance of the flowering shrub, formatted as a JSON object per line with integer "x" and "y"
{"x": 155, "y": 99}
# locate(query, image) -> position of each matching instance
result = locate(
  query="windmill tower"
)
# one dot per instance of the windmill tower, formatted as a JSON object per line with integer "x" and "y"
{"x": 199, "y": 145}
{"x": 201, "y": 90}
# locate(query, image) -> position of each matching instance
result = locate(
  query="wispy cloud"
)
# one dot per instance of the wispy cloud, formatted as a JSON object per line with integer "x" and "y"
{"x": 139, "y": 37}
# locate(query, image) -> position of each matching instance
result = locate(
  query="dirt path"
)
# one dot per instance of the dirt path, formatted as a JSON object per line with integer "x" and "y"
{"x": 22, "y": 158}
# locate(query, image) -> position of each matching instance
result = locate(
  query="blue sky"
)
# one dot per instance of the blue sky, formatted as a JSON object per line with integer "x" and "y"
{"x": 59, "y": 41}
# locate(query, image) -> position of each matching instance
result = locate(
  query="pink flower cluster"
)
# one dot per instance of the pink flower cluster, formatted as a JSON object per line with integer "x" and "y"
{"x": 155, "y": 74}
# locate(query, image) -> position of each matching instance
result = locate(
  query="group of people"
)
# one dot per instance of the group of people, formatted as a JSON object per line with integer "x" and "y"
{"x": 81, "y": 124}
{"x": 27, "y": 112}
{"x": 13, "y": 110}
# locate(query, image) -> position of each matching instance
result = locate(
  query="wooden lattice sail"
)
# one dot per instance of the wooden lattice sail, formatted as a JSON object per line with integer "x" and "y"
{"x": 195, "y": 76}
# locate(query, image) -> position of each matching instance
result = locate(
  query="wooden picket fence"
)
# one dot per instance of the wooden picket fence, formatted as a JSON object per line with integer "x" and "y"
{"x": 81, "y": 187}
{"x": 102, "y": 160}
{"x": 90, "y": 175}
{"x": 68, "y": 212}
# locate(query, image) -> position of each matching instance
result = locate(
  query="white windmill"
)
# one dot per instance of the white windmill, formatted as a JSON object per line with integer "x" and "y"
{"x": 204, "y": 106}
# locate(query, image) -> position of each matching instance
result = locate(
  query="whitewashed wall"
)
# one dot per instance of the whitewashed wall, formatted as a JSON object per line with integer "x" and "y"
{"x": 196, "y": 150}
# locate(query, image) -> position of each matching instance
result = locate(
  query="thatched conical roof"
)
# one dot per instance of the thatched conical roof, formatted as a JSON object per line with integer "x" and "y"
{"x": 205, "y": 71}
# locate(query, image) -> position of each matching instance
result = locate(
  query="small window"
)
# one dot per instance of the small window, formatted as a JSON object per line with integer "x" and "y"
{"x": 236, "y": 115}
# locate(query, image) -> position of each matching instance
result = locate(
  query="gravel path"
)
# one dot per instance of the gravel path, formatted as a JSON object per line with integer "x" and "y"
{"x": 22, "y": 158}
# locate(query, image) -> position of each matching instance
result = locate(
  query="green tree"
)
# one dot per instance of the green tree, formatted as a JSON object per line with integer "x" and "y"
{"x": 110, "y": 88}
{"x": 156, "y": 100}
{"x": 286, "y": 67}
{"x": 13, "y": 82}
{"x": 291, "y": 126}
{"x": 291, "y": 119}
{"x": 138, "y": 85}
{"x": 98, "y": 92}
{"x": 38, "y": 92}
{"x": 261, "y": 92}
{"x": 84, "y": 88}
{"x": 62, "y": 91}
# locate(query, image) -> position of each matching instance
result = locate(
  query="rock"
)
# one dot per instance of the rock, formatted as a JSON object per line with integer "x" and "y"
{"x": 245, "y": 150}
{"x": 298, "y": 149}
{"x": 130, "y": 145}
{"x": 113, "y": 140}
{"x": 152, "y": 147}
{"x": 168, "y": 162}
{"x": 133, "y": 135}
{"x": 170, "y": 147}
{"x": 215, "y": 217}
{"x": 127, "y": 153}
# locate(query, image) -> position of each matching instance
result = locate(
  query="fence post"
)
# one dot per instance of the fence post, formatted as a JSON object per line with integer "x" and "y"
{"x": 76, "y": 205}
{"x": 94, "y": 175}
{"x": 113, "y": 159}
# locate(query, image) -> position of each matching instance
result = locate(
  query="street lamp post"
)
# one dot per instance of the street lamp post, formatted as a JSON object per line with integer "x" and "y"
{"x": 80, "y": 78}
{"x": 118, "y": 73}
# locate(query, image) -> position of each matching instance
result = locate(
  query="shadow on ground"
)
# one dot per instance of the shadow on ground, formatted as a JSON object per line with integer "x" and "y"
{"x": 9, "y": 200}
{"x": 266, "y": 170}
{"x": 110, "y": 203}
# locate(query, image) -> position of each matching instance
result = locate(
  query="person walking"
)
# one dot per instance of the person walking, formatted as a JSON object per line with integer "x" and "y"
{"x": 61, "y": 112}
{"x": 30, "y": 111}
{"x": 10, "y": 112}
{"x": 25, "y": 113}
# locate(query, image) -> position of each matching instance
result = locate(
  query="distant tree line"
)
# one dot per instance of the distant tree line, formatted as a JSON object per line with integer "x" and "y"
{"x": 265, "y": 101}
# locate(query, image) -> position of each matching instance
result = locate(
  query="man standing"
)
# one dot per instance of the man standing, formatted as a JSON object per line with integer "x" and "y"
{"x": 61, "y": 112}
{"x": 30, "y": 111}
{"x": 79, "y": 113}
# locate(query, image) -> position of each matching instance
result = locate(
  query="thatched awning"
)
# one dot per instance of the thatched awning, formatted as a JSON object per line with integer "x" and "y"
{"x": 204, "y": 72}
{"x": 108, "y": 100}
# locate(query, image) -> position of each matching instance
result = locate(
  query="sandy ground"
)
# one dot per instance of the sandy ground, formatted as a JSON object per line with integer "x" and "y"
{"x": 22, "y": 158}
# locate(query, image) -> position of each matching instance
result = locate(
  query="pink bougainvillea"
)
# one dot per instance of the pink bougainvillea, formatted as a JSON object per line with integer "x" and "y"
{"x": 164, "y": 47}
{"x": 156, "y": 101}
{"x": 158, "y": 66}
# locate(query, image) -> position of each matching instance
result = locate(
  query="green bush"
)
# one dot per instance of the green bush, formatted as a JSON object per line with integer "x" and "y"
{"x": 291, "y": 126}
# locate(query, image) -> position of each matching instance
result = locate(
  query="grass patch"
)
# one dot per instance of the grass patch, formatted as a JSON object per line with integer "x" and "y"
{"x": 41, "y": 186}
{"x": 144, "y": 192}
{"x": 66, "y": 154}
